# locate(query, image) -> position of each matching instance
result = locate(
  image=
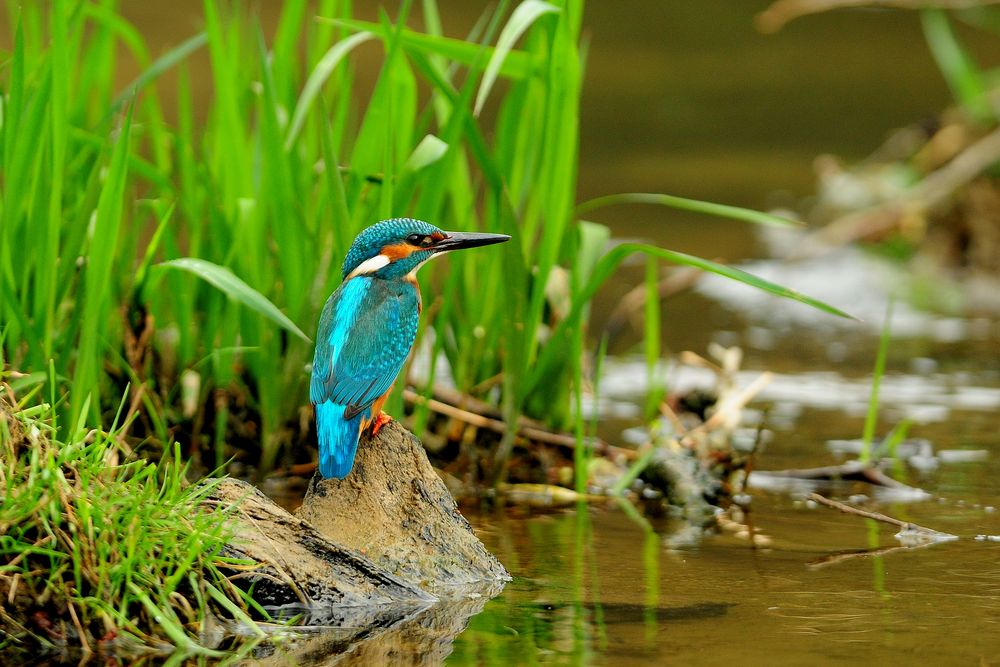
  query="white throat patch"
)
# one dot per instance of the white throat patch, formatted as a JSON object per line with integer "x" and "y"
{"x": 412, "y": 275}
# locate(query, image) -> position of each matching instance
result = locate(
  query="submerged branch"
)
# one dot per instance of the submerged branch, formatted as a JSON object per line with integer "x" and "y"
{"x": 844, "y": 556}
{"x": 910, "y": 534}
{"x": 848, "y": 509}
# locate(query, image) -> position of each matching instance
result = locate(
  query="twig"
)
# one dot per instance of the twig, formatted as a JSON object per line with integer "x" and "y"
{"x": 79, "y": 629}
{"x": 671, "y": 416}
{"x": 694, "y": 359}
{"x": 843, "y": 556}
{"x": 847, "y": 509}
{"x": 529, "y": 432}
{"x": 907, "y": 530}
{"x": 962, "y": 169}
{"x": 782, "y": 12}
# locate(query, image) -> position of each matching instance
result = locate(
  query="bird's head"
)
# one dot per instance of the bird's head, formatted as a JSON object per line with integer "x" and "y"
{"x": 397, "y": 247}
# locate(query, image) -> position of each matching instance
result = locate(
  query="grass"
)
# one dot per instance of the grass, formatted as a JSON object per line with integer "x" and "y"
{"x": 871, "y": 417}
{"x": 970, "y": 84}
{"x": 140, "y": 244}
{"x": 100, "y": 549}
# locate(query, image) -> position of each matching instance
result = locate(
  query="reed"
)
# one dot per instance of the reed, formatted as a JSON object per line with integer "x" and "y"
{"x": 140, "y": 243}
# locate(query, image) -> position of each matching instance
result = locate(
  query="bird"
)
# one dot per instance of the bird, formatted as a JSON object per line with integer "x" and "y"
{"x": 367, "y": 328}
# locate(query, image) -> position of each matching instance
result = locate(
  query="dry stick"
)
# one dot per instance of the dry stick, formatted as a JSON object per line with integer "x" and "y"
{"x": 782, "y": 12}
{"x": 671, "y": 416}
{"x": 530, "y": 432}
{"x": 877, "y": 516}
{"x": 840, "y": 557}
{"x": 465, "y": 401}
{"x": 79, "y": 629}
{"x": 694, "y": 359}
{"x": 850, "y": 471}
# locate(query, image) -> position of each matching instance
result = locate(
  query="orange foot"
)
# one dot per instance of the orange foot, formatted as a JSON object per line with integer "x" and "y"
{"x": 381, "y": 420}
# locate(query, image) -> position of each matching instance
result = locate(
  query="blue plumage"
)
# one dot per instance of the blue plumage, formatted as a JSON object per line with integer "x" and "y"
{"x": 338, "y": 439}
{"x": 367, "y": 328}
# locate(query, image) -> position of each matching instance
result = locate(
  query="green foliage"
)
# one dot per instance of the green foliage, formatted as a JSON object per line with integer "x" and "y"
{"x": 263, "y": 196}
{"x": 237, "y": 290}
{"x": 871, "y": 418}
{"x": 966, "y": 80}
{"x": 98, "y": 544}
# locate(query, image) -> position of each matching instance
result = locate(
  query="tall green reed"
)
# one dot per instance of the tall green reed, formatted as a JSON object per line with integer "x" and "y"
{"x": 289, "y": 163}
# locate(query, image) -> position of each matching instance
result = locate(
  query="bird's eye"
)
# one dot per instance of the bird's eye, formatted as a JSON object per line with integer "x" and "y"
{"x": 420, "y": 240}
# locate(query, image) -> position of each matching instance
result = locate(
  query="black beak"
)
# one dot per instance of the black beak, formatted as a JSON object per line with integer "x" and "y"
{"x": 459, "y": 240}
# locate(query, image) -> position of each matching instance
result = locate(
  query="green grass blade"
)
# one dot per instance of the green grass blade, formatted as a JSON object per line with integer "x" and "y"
{"x": 685, "y": 204}
{"x": 523, "y": 17}
{"x": 871, "y": 418}
{"x": 633, "y": 472}
{"x": 428, "y": 151}
{"x": 227, "y": 282}
{"x": 517, "y": 65}
{"x": 314, "y": 84}
{"x": 171, "y": 625}
{"x": 162, "y": 64}
{"x": 651, "y": 337}
{"x": 959, "y": 69}
{"x": 98, "y": 279}
{"x": 233, "y": 609}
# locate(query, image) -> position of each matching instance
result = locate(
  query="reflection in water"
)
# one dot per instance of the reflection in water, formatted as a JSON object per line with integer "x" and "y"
{"x": 572, "y": 607}
{"x": 411, "y": 636}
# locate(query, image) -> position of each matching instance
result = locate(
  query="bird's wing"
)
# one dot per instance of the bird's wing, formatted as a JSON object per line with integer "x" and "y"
{"x": 365, "y": 335}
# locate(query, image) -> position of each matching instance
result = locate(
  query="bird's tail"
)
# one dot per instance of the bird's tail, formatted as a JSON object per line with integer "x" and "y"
{"x": 338, "y": 439}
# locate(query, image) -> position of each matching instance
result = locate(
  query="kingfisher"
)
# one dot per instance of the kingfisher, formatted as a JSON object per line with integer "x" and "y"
{"x": 367, "y": 328}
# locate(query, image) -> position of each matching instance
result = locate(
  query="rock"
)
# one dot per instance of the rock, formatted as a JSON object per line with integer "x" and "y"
{"x": 365, "y": 552}
{"x": 299, "y": 567}
{"x": 395, "y": 510}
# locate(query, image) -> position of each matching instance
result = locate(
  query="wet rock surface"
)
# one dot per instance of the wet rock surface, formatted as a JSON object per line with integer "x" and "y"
{"x": 394, "y": 509}
{"x": 297, "y": 566}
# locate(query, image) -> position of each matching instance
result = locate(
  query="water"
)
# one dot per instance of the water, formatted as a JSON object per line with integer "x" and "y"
{"x": 593, "y": 588}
